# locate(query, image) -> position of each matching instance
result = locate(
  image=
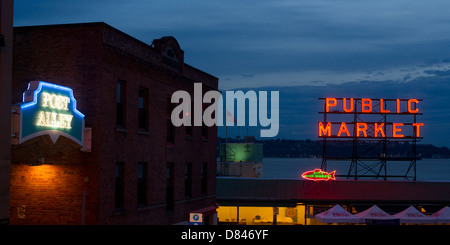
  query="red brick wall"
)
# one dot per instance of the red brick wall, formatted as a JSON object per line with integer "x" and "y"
{"x": 51, "y": 193}
{"x": 151, "y": 147}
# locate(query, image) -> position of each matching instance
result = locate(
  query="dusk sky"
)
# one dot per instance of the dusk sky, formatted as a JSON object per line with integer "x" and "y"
{"x": 304, "y": 49}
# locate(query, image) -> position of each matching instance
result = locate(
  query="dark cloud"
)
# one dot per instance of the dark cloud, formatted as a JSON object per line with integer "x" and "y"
{"x": 240, "y": 37}
{"x": 438, "y": 72}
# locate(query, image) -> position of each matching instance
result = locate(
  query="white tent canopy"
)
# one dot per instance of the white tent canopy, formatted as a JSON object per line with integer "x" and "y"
{"x": 337, "y": 214}
{"x": 412, "y": 215}
{"x": 442, "y": 216}
{"x": 376, "y": 213}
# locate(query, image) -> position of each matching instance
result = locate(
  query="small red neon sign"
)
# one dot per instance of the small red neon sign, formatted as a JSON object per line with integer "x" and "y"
{"x": 318, "y": 174}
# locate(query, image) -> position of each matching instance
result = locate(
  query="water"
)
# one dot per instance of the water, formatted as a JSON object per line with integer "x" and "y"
{"x": 426, "y": 169}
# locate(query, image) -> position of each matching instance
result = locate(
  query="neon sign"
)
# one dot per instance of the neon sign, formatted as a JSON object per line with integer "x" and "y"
{"x": 378, "y": 129}
{"x": 318, "y": 174}
{"x": 50, "y": 109}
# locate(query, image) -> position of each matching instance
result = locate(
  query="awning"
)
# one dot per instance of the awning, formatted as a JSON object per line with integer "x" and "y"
{"x": 374, "y": 212}
{"x": 413, "y": 216}
{"x": 442, "y": 216}
{"x": 337, "y": 214}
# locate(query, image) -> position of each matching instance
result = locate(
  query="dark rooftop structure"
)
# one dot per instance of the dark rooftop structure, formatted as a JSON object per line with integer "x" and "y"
{"x": 289, "y": 192}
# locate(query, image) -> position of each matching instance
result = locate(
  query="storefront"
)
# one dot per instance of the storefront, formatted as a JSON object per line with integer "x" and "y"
{"x": 297, "y": 202}
{"x": 248, "y": 215}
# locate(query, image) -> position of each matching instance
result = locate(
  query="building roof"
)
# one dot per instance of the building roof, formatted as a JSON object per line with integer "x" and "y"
{"x": 133, "y": 46}
{"x": 247, "y": 191}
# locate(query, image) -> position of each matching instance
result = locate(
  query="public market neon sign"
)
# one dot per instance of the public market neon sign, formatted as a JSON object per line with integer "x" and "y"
{"x": 50, "y": 109}
{"x": 370, "y": 129}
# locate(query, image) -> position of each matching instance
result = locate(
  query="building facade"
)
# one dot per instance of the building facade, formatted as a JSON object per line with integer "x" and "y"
{"x": 6, "y": 44}
{"x": 138, "y": 168}
{"x": 297, "y": 201}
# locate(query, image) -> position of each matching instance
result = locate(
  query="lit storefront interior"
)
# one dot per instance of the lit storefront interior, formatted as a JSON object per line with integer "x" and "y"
{"x": 252, "y": 201}
{"x": 262, "y": 215}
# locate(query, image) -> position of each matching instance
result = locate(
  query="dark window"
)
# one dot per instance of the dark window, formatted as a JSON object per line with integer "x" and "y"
{"x": 169, "y": 125}
{"x": 142, "y": 180}
{"x": 170, "y": 59}
{"x": 204, "y": 131}
{"x": 204, "y": 127}
{"x": 119, "y": 186}
{"x": 121, "y": 97}
{"x": 190, "y": 129}
{"x": 170, "y": 186}
{"x": 170, "y": 132}
{"x": 188, "y": 179}
{"x": 143, "y": 109}
{"x": 204, "y": 178}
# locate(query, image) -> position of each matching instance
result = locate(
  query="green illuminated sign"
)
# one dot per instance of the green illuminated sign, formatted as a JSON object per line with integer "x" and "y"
{"x": 50, "y": 109}
{"x": 242, "y": 152}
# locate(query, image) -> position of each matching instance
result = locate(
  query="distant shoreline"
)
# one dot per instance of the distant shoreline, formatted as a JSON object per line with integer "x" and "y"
{"x": 287, "y": 148}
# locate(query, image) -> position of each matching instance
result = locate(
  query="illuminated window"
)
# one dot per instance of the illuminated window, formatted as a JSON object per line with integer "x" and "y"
{"x": 142, "y": 179}
{"x": 261, "y": 215}
{"x": 143, "y": 109}
{"x": 119, "y": 186}
{"x": 188, "y": 180}
{"x": 121, "y": 97}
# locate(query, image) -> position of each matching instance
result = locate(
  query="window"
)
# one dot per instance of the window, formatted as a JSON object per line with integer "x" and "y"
{"x": 142, "y": 180}
{"x": 170, "y": 186}
{"x": 143, "y": 109}
{"x": 170, "y": 59}
{"x": 204, "y": 178}
{"x": 119, "y": 186}
{"x": 188, "y": 179}
{"x": 169, "y": 125}
{"x": 190, "y": 129}
{"x": 204, "y": 127}
{"x": 121, "y": 98}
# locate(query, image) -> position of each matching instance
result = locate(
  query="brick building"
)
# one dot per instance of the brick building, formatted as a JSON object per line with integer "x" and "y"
{"x": 140, "y": 169}
{"x": 6, "y": 41}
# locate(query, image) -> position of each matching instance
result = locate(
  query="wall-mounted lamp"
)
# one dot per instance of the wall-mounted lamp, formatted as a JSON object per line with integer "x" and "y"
{"x": 38, "y": 160}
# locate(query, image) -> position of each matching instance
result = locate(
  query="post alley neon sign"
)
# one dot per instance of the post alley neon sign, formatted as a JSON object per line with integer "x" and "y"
{"x": 370, "y": 129}
{"x": 50, "y": 109}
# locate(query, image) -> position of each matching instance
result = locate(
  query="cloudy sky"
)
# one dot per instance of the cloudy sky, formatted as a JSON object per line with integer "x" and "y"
{"x": 358, "y": 47}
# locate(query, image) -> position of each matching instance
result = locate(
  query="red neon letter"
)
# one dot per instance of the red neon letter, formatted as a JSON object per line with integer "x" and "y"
{"x": 359, "y": 129}
{"x": 326, "y": 130}
{"x": 328, "y": 104}
{"x": 379, "y": 129}
{"x": 366, "y": 103}
{"x": 398, "y": 106}
{"x": 417, "y": 125}
{"x": 395, "y": 130}
{"x": 409, "y": 106}
{"x": 344, "y": 105}
{"x": 343, "y": 129}
{"x": 382, "y": 110}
